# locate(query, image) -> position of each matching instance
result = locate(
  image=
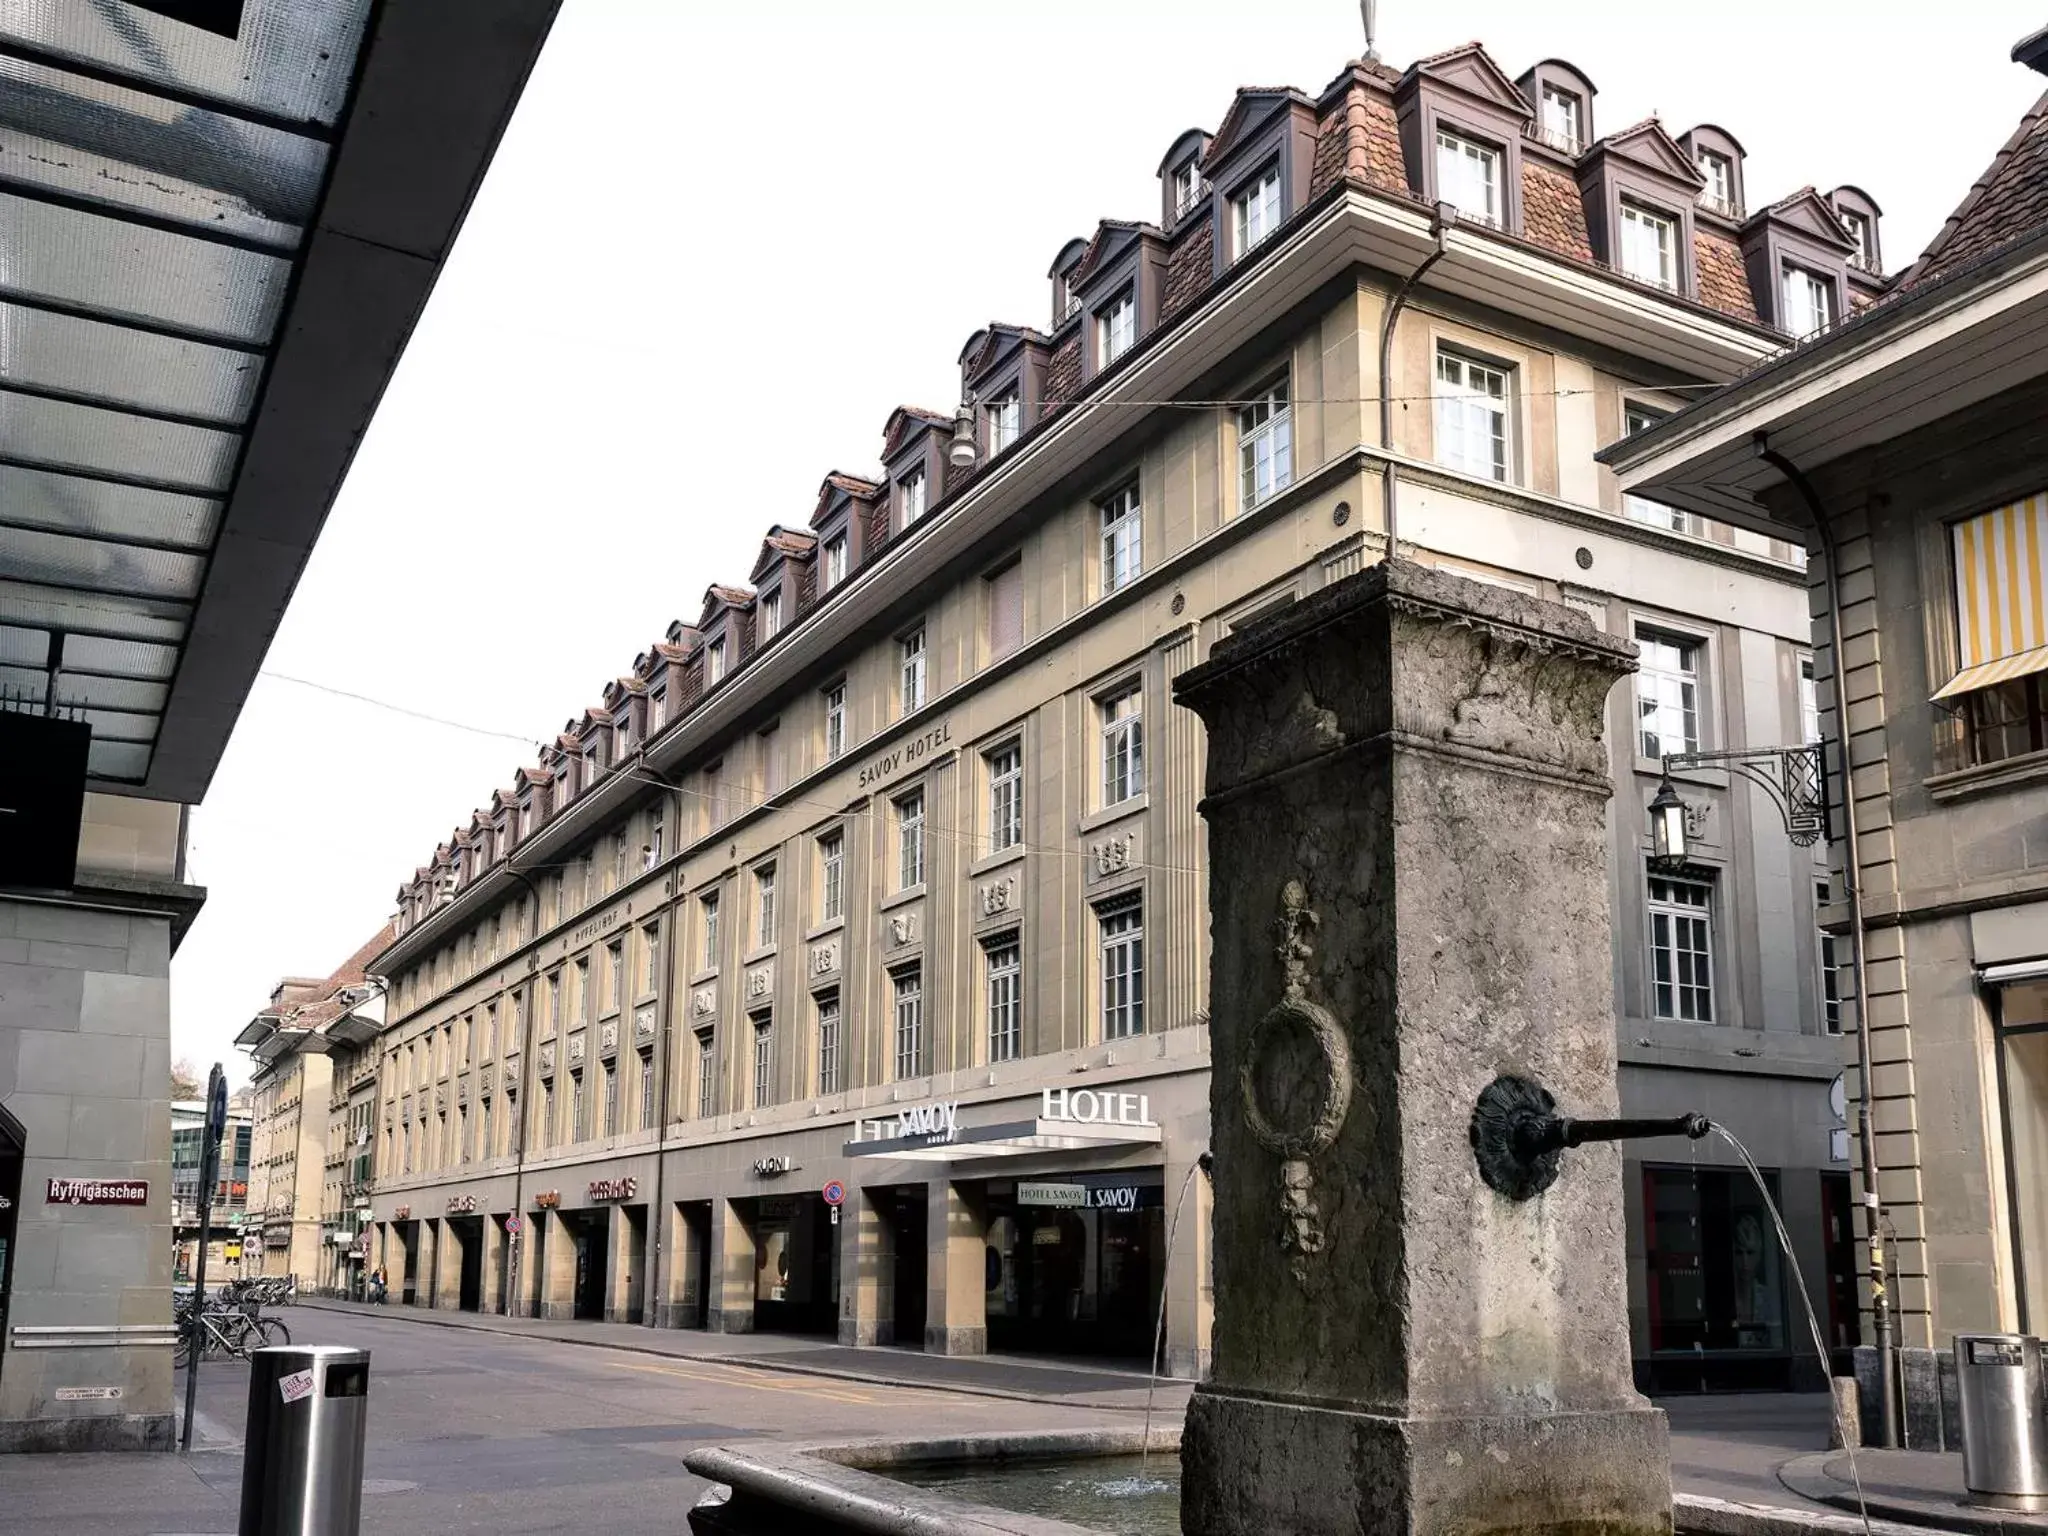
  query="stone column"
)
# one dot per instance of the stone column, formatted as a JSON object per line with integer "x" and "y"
{"x": 866, "y": 1255}
{"x": 1405, "y": 797}
{"x": 730, "y": 1308}
{"x": 427, "y": 1292}
{"x": 493, "y": 1298}
{"x": 558, "y": 1281}
{"x": 693, "y": 1237}
{"x": 956, "y": 1281}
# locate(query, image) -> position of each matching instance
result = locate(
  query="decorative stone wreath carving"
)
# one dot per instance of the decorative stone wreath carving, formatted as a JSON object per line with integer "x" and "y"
{"x": 1301, "y": 1231}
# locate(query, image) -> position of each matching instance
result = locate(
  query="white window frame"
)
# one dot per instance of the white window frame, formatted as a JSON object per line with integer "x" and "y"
{"x": 831, "y": 876}
{"x": 827, "y": 1004}
{"x": 1681, "y": 937}
{"x": 1860, "y": 231}
{"x": 714, "y": 661}
{"x": 911, "y": 501}
{"x": 1569, "y": 133}
{"x": 1121, "y": 731}
{"x": 657, "y": 710}
{"x": 834, "y": 564}
{"x": 764, "y": 906}
{"x": 1639, "y": 224}
{"x": 1187, "y": 188}
{"x": 650, "y": 946}
{"x": 648, "y": 1107}
{"x": 1255, "y": 212}
{"x": 907, "y": 1012}
{"x": 910, "y": 849}
{"x": 1808, "y": 299}
{"x": 1005, "y": 766}
{"x": 1719, "y": 173}
{"x": 610, "y": 1070}
{"x": 764, "y": 1059}
{"x": 835, "y": 720}
{"x": 1466, "y": 168}
{"x": 1832, "y": 994}
{"x": 1005, "y": 416}
{"x": 1120, "y": 930}
{"x": 707, "y": 1074}
{"x": 1641, "y": 509}
{"x": 1004, "y": 964}
{"x": 768, "y": 616}
{"x": 1265, "y": 445}
{"x": 707, "y": 911}
{"x": 1809, "y": 702}
{"x": 910, "y": 658}
{"x": 1474, "y": 400}
{"x": 1116, "y": 328}
{"x": 1669, "y": 664}
{"x": 1123, "y": 537}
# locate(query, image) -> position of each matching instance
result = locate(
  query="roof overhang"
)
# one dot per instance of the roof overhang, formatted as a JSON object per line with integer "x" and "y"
{"x": 1022, "y": 1138}
{"x": 1913, "y": 360}
{"x": 212, "y": 252}
{"x": 1350, "y": 231}
{"x": 353, "y": 1029}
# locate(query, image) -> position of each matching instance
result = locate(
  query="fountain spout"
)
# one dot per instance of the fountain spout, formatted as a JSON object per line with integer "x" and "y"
{"x": 1517, "y": 1135}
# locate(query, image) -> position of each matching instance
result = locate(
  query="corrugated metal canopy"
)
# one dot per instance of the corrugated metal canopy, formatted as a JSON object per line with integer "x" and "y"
{"x": 177, "y": 214}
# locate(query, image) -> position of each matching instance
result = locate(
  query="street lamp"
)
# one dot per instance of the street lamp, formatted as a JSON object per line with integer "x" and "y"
{"x": 962, "y": 451}
{"x": 1796, "y": 779}
{"x": 1667, "y": 830}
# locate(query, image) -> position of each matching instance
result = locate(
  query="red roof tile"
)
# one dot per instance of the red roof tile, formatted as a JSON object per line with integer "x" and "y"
{"x": 2009, "y": 200}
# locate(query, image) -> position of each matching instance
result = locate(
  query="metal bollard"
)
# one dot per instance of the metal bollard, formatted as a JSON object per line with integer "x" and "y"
{"x": 2005, "y": 1424}
{"x": 302, "y": 1473}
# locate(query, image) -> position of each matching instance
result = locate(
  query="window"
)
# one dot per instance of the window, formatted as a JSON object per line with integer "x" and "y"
{"x": 1809, "y": 703}
{"x": 1649, "y": 246}
{"x": 614, "y": 975}
{"x": 910, "y": 498}
{"x": 1640, "y": 418}
{"x": 909, "y": 990}
{"x": 1468, "y": 176}
{"x": 554, "y": 1004}
{"x": 2006, "y": 719}
{"x": 835, "y": 720}
{"x": 1123, "y": 970}
{"x": 1667, "y": 693}
{"x": 1830, "y": 972}
{"x": 1265, "y": 446}
{"x": 651, "y": 851}
{"x": 1719, "y": 171}
{"x": 764, "y": 916}
{"x": 1860, "y": 232}
{"x": 525, "y": 820}
{"x": 1065, "y": 300}
{"x": 547, "y": 1113}
{"x": 714, "y": 662}
{"x": 657, "y": 712}
{"x": 910, "y": 658}
{"x": 1809, "y": 302}
{"x": 1471, "y": 416}
{"x": 647, "y": 1088}
{"x": 622, "y": 731}
{"x": 611, "y": 1098}
{"x": 706, "y": 1081}
{"x": 618, "y": 860}
{"x": 1123, "y": 745}
{"x": 1005, "y": 421}
{"x": 1005, "y": 609}
{"x": 831, "y": 876}
{"x": 484, "y": 1149}
{"x": 565, "y": 784}
{"x": 1681, "y": 950}
{"x": 1999, "y": 582}
{"x": 764, "y": 1052}
{"x": 767, "y": 616}
{"x": 835, "y": 562}
{"x": 490, "y": 1041}
{"x": 576, "y": 1104}
{"x": 650, "y": 952}
{"x": 1005, "y": 796}
{"x": 1562, "y": 126}
{"x": 1122, "y": 538}
{"x": 828, "y": 1044}
{"x": 910, "y": 840}
{"x": 709, "y": 907}
{"x": 582, "y": 978}
{"x": 1255, "y": 212}
{"x": 1005, "y": 974}
{"x": 1116, "y": 328}
{"x": 1187, "y": 187}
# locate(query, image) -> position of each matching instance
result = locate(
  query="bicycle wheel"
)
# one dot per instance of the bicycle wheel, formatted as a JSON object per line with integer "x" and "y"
{"x": 265, "y": 1332}
{"x": 181, "y": 1355}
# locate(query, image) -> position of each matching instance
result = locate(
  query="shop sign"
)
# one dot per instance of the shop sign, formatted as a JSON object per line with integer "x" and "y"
{"x": 774, "y": 1167}
{"x": 461, "y": 1205}
{"x": 1088, "y": 1106}
{"x": 614, "y": 1189}
{"x": 232, "y": 1252}
{"x": 1104, "y": 1197}
{"x": 547, "y": 1199}
{"x": 98, "y": 1192}
{"x": 936, "y": 1122}
{"x": 912, "y": 752}
{"x": 1052, "y": 1194}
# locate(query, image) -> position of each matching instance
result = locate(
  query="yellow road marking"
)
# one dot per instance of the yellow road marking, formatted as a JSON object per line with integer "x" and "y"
{"x": 761, "y": 1381}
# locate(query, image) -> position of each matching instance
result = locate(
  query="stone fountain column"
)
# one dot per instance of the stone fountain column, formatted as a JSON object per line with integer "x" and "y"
{"x": 1408, "y": 885}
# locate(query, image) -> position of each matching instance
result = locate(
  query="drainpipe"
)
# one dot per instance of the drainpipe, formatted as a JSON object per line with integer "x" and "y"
{"x": 517, "y": 1245}
{"x": 658, "y": 1214}
{"x": 1852, "y": 878}
{"x": 1390, "y": 476}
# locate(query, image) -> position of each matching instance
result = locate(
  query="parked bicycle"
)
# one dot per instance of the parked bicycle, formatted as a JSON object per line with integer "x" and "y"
{"x": 226, "y": 1329}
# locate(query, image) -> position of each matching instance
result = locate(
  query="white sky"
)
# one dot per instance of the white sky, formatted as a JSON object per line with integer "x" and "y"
{"x": 721, "y": 241}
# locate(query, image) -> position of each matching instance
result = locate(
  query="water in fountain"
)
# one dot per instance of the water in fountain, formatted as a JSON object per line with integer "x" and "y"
{"x": 1805, "y": 1300}
{"x": 1159, "y": 1335}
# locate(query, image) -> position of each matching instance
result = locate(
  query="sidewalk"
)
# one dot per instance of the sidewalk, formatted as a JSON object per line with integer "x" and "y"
{"x": 1919, "y": 1487}
{"x": 1026, "y": 1379}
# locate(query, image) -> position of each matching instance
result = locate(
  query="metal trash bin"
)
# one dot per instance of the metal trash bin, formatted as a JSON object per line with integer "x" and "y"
{"x": 302, "y": 1472}
{"x": 2005, "y": 1420}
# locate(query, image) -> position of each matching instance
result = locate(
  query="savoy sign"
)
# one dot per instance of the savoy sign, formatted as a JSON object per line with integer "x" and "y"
{"x": 935, "y": 1124}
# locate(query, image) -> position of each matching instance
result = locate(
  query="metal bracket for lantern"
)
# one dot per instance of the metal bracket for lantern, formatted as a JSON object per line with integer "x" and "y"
{"x": 1517, "y": 1135}
{"x": 1795, "y": 778}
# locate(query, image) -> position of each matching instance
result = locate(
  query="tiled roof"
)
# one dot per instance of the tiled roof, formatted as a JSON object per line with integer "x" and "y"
{"x": 1188, "y": 270}
{"x": 1723, "y": 279}
{"x": 2009, "y": 200}
{"x": 1553, "y": 213}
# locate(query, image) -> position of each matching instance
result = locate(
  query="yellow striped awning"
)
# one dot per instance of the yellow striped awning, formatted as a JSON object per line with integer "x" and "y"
{"x": 2001, "y": 565}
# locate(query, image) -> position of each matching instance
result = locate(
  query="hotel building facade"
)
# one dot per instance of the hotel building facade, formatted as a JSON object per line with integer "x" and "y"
{"x": 884, "y": 879}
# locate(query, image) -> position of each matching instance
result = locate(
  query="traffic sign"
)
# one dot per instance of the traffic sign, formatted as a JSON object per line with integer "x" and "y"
{"x": 835, "y": 1192}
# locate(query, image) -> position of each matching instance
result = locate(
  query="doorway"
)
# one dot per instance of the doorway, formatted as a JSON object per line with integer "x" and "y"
{"x": 634, "y": 1301}
{"x": 907, "y": 1224}
{"x": 13, "y": 1148}
{"x": 796, "y": 1266}
{"x": 468, "y": 1231}
{"x": 1838, "y": 1232}
{"x": 409, "y": 1267}
{"x": 591, "y": 1231}
{"x": 695, "y": 1258}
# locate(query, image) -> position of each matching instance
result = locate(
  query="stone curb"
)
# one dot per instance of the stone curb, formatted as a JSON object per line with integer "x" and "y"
{"x": 1808, "y": 1477}
{"x": 1695, "y": 1514}
{"x": 739, "y": 1362}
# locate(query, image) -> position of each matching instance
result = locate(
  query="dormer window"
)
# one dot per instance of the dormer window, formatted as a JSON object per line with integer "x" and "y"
{"x": 1719, "y": 171}
{"x": 1187, "y": 188}
{"x": 1865, "y": 237}
{"x": 1255, "y": 212}
{"x": 1563, "y": 120}
{"x": 1005, "y": 421}
{"x": 657, "y": 710}
{"x": 1649, "y": 246}
{"x": 910, "y": 498}
{"x": 624, "y": 726}
{"x": 1468, "y": 176}
{"x": 714, "y": 662}
{"x": 1116, "y": 328}
{"x": 835, "y": 562}
{"x": 1065, "y": 300}
{"x": 1809, "y": 302}
{"x": 768, "y": 614}
{"x": 525, "y": 819}
{"x": 596, "y": 756}
{"x": 565, "y": 784}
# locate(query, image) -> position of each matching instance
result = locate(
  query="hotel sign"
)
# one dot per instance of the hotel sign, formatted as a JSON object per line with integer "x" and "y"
{"x": 1087, "y": 1106}
{"x": 935, "y": 1124}
{"x": 98, "y": 1192}
{"x": 909, "y": 755}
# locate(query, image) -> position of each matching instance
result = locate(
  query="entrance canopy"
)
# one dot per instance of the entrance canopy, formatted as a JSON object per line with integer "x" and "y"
{"x": 1021, "y": 1138}
{"x": 214, "y": 243}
